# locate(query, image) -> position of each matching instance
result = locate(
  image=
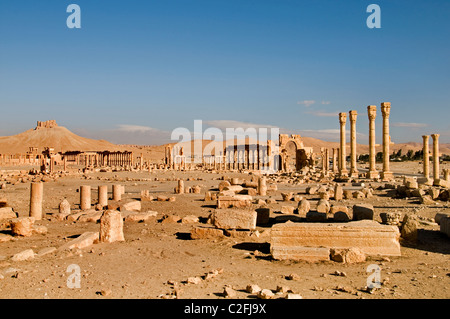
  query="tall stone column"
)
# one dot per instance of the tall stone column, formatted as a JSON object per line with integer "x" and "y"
{"x": 342, "y": 159}
{"x": 435, "y": 157}
{"x": 353, "y": 169}
{"x": 103, "y": 195}
{"x": 385, "y": 112}
{"x": 117, "y": 192}
{"x": 36, "y": 197}
{"x": 85, "y": 197}
{"x": 426, "y": 156}
{"x": 327, "y": 158}
{"x": 372, "y": 113}
{"x": 335, "y": 156}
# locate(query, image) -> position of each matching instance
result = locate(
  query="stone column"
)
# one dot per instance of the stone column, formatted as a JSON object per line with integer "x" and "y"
{"x": 372, "y": 113}
{"x": 117, "y": 192}
{"x": 435, "y": 157}
{"x": 353, "y": 169}
{"x": 327, "y": 160}
{"x": 262, "y": 187}
{"x": 85, "y": 197}
{"x": 342, "y": 159}
{"x": 36, "y": 197}
{"x": 426, "y": 156}
{"x": 335, "y": 157}
{"x": 385, "y": 112}
{"x": 103, "y": 195}
{"x": 446, "y": 174}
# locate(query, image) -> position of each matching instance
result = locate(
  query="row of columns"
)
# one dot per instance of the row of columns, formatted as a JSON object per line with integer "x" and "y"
{"x": 426, "y": 157}
{"x": 386, "y": 174}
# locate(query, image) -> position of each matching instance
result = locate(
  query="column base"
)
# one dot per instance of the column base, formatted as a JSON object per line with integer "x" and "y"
{"x": 354, "y": 174}
{"x": 373, "y": 175}
{"x": 387, "y": 176}
{"x": 343, "y": 173}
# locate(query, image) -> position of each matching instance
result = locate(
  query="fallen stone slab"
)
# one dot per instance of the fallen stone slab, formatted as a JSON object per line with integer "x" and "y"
{"x": 92, "y": 217}
{"x": 234, "y": 219}
{"x": 369, "y": 236}
{"x": 347, "y": 255}
{"x": 132, "y": 206}
{"x": 5, "y": 237}
{"x": 23, "y": 255}
{"x": 203, "y": 232}
{"x": 84, "y": 240}
{"x": 140, "y": 217}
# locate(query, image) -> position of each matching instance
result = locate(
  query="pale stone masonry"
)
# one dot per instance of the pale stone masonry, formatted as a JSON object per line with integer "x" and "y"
{"x": 295, "y": 240}
{"x": 385, "y": 112}
{"x": 353, "y": 169}
{"x": 435, "y": 158}
{"x": 372, "y": 113}
{"x": 342, "y": 154}
{"x": 426, "y": 157}
{"x": 36, "y": 197}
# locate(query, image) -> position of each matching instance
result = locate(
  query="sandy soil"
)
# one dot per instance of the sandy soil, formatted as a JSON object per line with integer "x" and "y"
{"x": 157, "y": 259}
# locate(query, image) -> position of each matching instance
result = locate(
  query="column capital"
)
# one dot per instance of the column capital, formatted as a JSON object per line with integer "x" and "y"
{"x": 342, "y": 118}
{"x": 385, "y": 109}
{"x": 352, "y": 116}
{"x": 435, "y": 136}
{"x": 372, "y": 112}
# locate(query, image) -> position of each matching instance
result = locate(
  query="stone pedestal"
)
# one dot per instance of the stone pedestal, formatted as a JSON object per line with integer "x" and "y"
{"x": 36, "y": 196}
{"x": 262, "y": 187}
{"x": 111, "y": 227}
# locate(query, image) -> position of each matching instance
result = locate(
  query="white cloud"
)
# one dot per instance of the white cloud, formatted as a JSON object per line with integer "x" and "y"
{"x": 323, "y": 113}
{"x": 135, "y": 128}
{"x": 410, "y": 125}
{"x": 306, "y": 103}
{"x": 224, "y": 124}
{"x": 326, "y": 102}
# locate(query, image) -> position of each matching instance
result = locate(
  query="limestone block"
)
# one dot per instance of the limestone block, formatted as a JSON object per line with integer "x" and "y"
{"x": 263, "y": 216}
{"x": 339, "y": 213}
{"x": 409, "y": 228}
{"x": 314, "y": 216}
{"x": 90, "y": 217}
{"x": 323, "y": 206}
{"x": 237, "y": 201}
{"x": 202, "y": 232}
{"x": 303, "y": 207}
{"x": 338, "y": 192}
{"x": 234, "y": 219}
{"x": 22, "y": 226}
{"x": 64, "y": 207}
{"x": 391, "y": 218}
{"x": 133, "y": 206}
{"x": 310, "y": 254}
{"x": 438, "y": 217}
{"x": 223, "y": 184}
{"x": 445, "y": 225}
{"x": 141, "y": 216}
{"x": 84, "y": 240}
{"x": 287, "y": 209}
{"x": 23, "y": 255}
{"x": 111, "y": 227}
{"x": 363, "y": 211}
{"x": 348, "y": 255}
{"x": 7, "y": 213}
{"x": 370, "y": 237}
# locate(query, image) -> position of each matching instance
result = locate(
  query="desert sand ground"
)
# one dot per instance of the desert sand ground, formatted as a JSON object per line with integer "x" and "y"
{"x": 157, "y": 258}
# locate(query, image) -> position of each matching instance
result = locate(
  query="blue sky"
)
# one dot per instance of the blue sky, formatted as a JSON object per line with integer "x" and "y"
{"x": 136, "y": 70}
